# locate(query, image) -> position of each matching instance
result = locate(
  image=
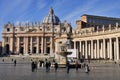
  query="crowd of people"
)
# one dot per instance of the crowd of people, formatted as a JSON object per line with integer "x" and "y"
{"x": 48, "y": 64}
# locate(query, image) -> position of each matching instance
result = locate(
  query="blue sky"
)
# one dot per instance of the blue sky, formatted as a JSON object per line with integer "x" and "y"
{"x": 70, "y": 10}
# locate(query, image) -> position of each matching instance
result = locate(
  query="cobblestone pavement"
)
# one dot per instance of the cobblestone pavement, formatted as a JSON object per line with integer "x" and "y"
{"x": 23, "y": 72}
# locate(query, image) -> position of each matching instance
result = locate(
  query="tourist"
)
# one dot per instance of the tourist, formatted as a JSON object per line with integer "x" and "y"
{"x": 40, "y": 61}
{"x": 87, "y": 68}
{"x": 47, "y": 65}
{"x": 56, "y": 66}
{"x": 12, "y": 59}
{"x": 76, "y": 65}
{"x": 68, "y": 66}
{"x": 33, "y": 66}
{"x": 15, "y": 62}
{"x": 3, "y": 60}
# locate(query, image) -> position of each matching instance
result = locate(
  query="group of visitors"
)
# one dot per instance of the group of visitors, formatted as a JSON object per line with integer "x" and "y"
{"x": 48, "y": 64}
{"x": 87, "y": 69}
{"x": 36, "y": 64}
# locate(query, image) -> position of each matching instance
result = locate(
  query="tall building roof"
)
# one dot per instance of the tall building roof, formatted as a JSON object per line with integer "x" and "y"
{"x": 51, "y": 18}
{"x": 105, "y": 17}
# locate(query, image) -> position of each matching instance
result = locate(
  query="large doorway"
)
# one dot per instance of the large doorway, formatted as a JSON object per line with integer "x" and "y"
{"x": 7, "y": 49}
{"x": 21, "y": 50}
{"x": 48, "y": 50}
{"x": 34, "y": 50}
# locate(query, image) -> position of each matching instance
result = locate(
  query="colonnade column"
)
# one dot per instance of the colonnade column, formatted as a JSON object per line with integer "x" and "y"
{"x": 92, "y": 49}
{"x": 104, "y": 49}
{"x": 108, "y": 49}
{"x": 95, "y": 55}
{"x": 18, "y": 45}
{"x": 80, "y": 54}
{"x": 42, "y": 45}
{"x": 37, "y": 45}
{"x": 51, "y": 47}
{"x": 11, "y": 44}
{"x": 3, "y": 45}
{"x": 25, "y": 45}
{"x": 89, "y": 50}
{"x": 86, "y": 52}
{"x": 117, "y": 47}
{"x": 31, "y": 46}
{"x": 98, "y": 50}
{"x": 83, "y": 50}
{"x": 110, "y": 41}
{"x": 115, "y": 55}
{"x": 74, "y": 44}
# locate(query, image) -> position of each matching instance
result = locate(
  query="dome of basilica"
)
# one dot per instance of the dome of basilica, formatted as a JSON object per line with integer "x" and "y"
{"x": 51, "y": 18}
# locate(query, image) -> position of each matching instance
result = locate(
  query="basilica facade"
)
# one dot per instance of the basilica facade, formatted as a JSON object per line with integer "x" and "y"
{"x": 36, "y": 39}
{"x": 95, "y": 37}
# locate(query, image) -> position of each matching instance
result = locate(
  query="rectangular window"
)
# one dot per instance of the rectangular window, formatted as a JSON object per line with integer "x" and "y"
{"x": 21, "y": 39}
{"x": 47, "y": 39}
{"x": 34, "y": 39}
{"x": 6, "y": 39}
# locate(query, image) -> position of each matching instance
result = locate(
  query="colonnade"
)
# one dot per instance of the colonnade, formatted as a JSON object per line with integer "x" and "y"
{"x": 29, "y": 45}
{"x": 108, "y": 48}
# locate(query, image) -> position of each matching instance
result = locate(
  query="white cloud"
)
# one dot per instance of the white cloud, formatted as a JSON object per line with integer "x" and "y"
{"x": 80, "y": 9}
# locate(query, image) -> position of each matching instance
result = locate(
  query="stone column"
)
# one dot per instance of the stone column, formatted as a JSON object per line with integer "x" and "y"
{"x": 91, "y": 49}
{"x": 83, "y": 49}
{"x": 37, "y": 45}
{"x": 42, "y": 45}
{"x": 11, "y": 44}
{"x": 24, "y": 46}
{"x": 18, "y": 45}
{"x": 110, "y": 41}
{"x": 51, "y": 47}
{"x": 45, "y": 45}
{"x": 95, "y": 54}
{"x": 74, "y": 44}
{"x": 108, "y": 49}
{"x": 31, "y": 46}
{"x": 104, "y": 49}
{"x": 115, "y": 55}
{"x": 80, "y": 54}
{"x": 117, "y": 47}
{"x": 86, "y": 50}
{"x": 3, "y": 45}
{"x": 27, "y": 47}
{"x": 98, "y": 50}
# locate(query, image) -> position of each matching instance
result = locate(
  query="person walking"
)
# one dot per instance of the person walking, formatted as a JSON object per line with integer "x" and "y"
{"x": 56, "y": 66}
{"x": 76, "y": 65}
{"x": 47, "y": 65}
{"x": 15, "y": 62}
{"x": 87, "y": 68}
{"x": 68, "y": 66}
{"x": 33, "y": 66}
